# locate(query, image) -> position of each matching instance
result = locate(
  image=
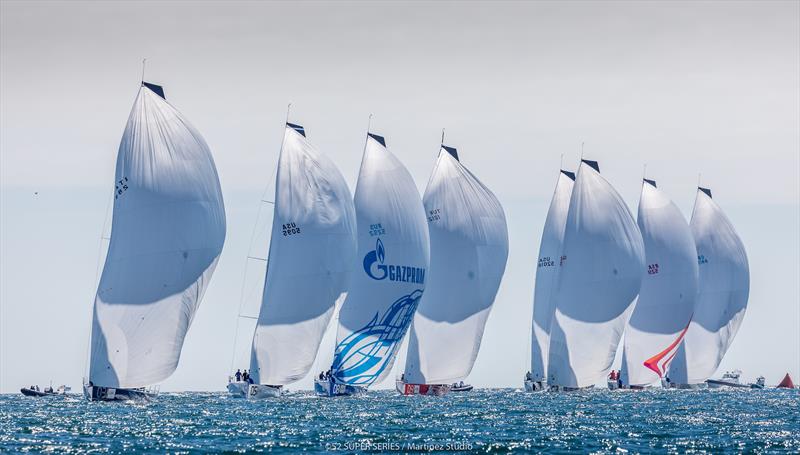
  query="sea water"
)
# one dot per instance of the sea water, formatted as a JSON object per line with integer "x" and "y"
{"x": 493, "y": 420}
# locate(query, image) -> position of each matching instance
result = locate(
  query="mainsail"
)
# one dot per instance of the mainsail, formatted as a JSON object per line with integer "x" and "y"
{"x": 167, "y": 233}
{"x": 724, "y": 287}
{"x": 393, "y": 254}
{"x": 547, "y": 270}
{"x": 599, "y": 280}
{"x": 669, "y": 289}
{"x": 311, "y": 257}
{"x": 469, "y": 248}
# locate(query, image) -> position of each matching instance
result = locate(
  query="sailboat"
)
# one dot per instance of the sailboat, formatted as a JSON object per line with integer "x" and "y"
{"x": 548, "y": 267}
{"x": 723, "y": 290}
{"x": 311, "y": 256}
{"x": 167, "y": 233}
{"x": 469, "y": 249}
{"x": 600, "y": 278}
{"x": 393, "y": 256}
{"x": 669, "y": 289}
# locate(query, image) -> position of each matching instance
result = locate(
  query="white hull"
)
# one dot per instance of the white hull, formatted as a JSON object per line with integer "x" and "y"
{"x": 261, "y": 391}
{"x": 238, "y": 389}
{"x": 688, "y": 386}
{"x": 535, "y": 386}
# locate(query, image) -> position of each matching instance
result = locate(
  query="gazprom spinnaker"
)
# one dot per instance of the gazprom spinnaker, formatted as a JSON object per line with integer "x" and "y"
{"x": 669, "y": 289}
{"x": 547, "y": 269}
{"x": 167, "y": 232}
{"x": 312, "y": 255}
{"x": 598, "y": 284}
{"x": 393, "y": 256}
{"x": 724, "y": 286}
{"x": 469, "y": 249}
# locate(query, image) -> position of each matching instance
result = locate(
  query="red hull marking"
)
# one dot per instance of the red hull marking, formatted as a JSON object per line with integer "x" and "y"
{"x": 652, "y": 362}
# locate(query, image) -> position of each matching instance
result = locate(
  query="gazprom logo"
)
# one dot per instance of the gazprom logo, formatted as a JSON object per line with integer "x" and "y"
{"x": 377, "y": 270}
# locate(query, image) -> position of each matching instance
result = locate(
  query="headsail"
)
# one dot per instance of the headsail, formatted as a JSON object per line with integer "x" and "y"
{"x": 547, "y": 270}
{"x": 669, "y": 289}
{"x": 469, "y": 248}
{"x": 311, "y": 258}
{"x": 599, "y": 280}
{"x": 167, "y": 232}
{"x": 723, "y": 290}
{"x": 393, "y": 253}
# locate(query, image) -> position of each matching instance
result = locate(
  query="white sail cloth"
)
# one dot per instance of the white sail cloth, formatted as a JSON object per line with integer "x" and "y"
{"x": 724, "y": 287}
{"x": 469, "y": 249}
{"x": 598, "y": 283}
{"x": 669, "y": 289}
{"x": 393, "y": 257}
{"x": 547, "y": 271}
{"x": 167, "y": 232}
{"x": 311, "y": 258}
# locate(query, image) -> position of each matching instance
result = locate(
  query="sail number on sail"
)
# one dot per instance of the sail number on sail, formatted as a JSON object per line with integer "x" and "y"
{"x": 290, "y": 229}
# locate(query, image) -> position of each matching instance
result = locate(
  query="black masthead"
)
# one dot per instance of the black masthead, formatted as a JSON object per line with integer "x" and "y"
{"x": 298, "y": 128}
{"x": 157, "y": 89}
{"x": 452, "y": 151}
{"x": 592, "y": 164}
{"x": 380, "y": 139}
{"x": 652, "y": 182}
{"x": 705, "y": 190}
{"x": 569, "y": 174}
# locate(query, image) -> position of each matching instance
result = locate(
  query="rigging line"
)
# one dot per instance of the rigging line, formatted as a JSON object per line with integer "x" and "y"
{"x": 644, "y": 172}
{"x": 442, "y": 136}
{"x": 244, "y": 316}
{"x": 267, "y": 202}
{"x": 97, "y": 279}
{"x": 144, "y": 61}
{"x": 257, "y": 258}
{"x": 581, "y": 150}
{"x": 561, "y": 163}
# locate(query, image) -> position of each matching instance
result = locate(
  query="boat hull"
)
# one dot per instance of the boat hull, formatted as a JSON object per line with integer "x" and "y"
{"x": 35, "y": 393}
{"x": 688, "y": 386}
{"x": 535, "y": 386}
{"x": 464, "y": 388}
{"x": 261, "y": 391}
{"x": 718, "y": 384}
{"x": 421, "y": 389}
{"x": 98, "y": 393}
{"x": 328, "y": 388}
{"x": 238, "y": 389}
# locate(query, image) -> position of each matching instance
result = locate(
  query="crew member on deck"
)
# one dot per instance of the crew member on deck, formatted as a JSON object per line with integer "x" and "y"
{"x": 238, "y": 375}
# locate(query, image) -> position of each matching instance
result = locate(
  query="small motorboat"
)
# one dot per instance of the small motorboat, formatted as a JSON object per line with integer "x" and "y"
{"x": 729, "y": 379}
{"x": 759, "y": 384}
{"x": 33, "y": 391}
{"x": 460, "y": 387}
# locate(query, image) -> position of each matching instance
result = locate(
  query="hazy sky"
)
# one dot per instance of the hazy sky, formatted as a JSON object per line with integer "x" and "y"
{"x": 687, "y": 88}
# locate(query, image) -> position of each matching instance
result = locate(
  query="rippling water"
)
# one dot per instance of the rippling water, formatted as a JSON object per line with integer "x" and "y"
{"x": 483, "y": 420}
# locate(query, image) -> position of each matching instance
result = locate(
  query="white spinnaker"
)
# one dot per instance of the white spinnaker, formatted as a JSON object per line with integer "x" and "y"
{"x": 311, "y": 259}
{"x": 669, "y": 289}
{"x": 547, "y": 270}
{"x": 598, "y": 283}
{"x": 724, "y": 286}
{"x": 469, "y": 249}
{"x": 392, "y": 256}
{"x": 167, "y": 232}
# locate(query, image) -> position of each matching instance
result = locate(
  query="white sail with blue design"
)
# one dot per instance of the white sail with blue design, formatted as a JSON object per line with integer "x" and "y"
{"x": 669, "y": 290}
{"x": 547, "y": 270}
{"x": 469, "y": 249}
{"x": 393, "y": 256}
{"x": 724, "y": 287}
{"x": 598, "y": 284}
{"x": 311, "y": 259}
{"x": 167, "y": 232}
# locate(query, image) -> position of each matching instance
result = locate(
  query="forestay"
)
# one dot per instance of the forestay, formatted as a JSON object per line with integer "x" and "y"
{"x": 547, "y": 270}
{"x": 598, "y": 283}
{"x": 167, "y": 232}
{"x": 311, "y": 258}
{"x": 469, "y": 248}
{"x": 393, "y": 256}
{"x": 724, "y": 286}
{"x": 669, "y": 289}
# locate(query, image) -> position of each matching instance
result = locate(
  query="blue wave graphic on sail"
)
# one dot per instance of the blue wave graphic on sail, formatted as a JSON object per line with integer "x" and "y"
{"x": 362, "y": 356}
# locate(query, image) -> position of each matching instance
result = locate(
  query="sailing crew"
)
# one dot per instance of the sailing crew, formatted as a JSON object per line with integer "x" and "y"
{"x": 238, "y": 375}
{"x": 245, "y": 376}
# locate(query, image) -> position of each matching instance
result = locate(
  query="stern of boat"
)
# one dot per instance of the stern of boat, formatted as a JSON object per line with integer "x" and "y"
{"x": 261, "y": 391}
